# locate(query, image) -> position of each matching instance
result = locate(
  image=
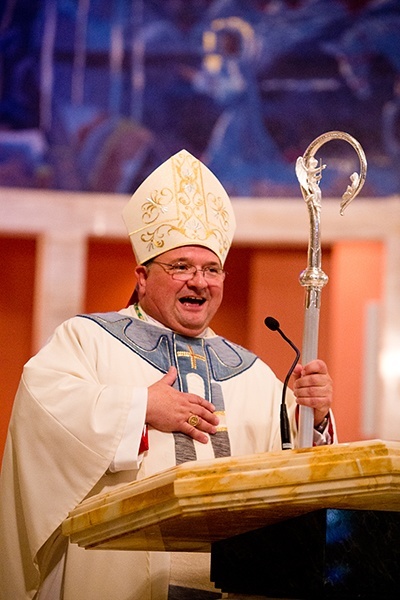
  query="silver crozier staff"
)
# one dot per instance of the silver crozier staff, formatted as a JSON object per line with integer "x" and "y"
{"x": 309, "y": 173}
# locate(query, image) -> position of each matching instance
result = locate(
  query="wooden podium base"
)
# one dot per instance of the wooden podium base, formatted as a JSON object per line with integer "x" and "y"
{"x": 324, "y": 555}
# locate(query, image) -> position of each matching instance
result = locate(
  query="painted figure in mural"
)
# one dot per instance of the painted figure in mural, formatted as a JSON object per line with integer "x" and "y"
{"x": 237, "y": 49}
{"x": 240, "y": 150}
{"x": 116, "y": 397}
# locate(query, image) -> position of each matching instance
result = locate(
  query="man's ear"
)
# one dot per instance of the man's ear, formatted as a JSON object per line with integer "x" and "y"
{"x": 141, "y": 276}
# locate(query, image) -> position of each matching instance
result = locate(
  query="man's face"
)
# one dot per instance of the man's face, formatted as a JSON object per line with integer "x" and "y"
{"x": 186, "y": 307}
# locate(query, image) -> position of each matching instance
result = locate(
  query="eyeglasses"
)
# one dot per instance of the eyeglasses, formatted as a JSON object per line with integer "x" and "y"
{"x": 184, "y": 271}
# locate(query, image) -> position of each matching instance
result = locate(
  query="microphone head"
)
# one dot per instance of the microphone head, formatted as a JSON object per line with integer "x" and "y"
{"x": 272, "y": 323}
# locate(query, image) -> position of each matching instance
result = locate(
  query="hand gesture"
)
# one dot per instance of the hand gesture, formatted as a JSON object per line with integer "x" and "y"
{"x": 169, "y": 409}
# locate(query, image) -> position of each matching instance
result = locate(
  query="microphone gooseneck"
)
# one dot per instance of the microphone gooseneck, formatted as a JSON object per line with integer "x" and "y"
{"x": 286, "y": 441}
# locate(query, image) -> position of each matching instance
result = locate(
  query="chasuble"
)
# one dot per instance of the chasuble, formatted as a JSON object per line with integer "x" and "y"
{"x": 85, "y": 393}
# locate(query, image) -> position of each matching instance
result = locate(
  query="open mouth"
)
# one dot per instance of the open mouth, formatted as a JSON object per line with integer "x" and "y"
{"x": 192, "y": 300}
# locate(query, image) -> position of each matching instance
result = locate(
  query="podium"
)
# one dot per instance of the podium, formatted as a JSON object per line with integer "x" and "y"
{"x": 323, "y": 512}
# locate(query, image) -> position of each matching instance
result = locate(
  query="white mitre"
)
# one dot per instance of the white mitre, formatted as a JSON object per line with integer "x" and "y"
{"x": 180, "y": 204}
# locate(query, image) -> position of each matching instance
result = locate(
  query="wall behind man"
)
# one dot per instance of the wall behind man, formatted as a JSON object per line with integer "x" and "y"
{"x": 17, "y": 260}
{"x": 262, "y": 280}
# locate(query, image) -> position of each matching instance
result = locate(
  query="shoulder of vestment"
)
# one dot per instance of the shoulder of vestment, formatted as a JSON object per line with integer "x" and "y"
{"x": 156, "y": 345}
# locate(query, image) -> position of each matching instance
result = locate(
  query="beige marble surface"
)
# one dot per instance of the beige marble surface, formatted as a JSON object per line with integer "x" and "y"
{"x": 194, "y": 504}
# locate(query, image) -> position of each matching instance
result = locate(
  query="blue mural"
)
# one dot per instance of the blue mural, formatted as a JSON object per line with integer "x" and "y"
{"x": 95, "y": 94}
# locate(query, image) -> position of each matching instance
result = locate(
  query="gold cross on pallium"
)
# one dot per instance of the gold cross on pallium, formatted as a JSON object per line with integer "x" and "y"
{"x": 192, "y": 355}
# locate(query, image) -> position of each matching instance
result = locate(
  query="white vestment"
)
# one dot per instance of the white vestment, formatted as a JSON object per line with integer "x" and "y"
{"x": 70, "y": 416}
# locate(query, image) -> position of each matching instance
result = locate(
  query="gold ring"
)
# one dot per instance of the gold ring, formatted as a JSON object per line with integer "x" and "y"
{"x": 193, "y": 420}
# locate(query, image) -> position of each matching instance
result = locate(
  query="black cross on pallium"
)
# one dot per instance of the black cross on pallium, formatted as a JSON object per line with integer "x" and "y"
{"x": 192, "y": 355}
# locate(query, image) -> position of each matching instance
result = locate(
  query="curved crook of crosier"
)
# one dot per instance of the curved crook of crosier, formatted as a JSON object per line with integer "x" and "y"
{"x": 309, "y": 162}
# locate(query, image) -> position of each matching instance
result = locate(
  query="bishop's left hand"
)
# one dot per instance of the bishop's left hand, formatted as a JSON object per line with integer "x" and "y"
{"x": 313, "y": 387}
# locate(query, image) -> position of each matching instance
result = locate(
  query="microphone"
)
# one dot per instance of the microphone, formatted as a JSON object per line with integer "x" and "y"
{"x": 286, "y": 441}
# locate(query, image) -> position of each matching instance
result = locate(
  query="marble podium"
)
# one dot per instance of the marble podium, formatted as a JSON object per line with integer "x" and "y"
{"x": 265, "y": 502}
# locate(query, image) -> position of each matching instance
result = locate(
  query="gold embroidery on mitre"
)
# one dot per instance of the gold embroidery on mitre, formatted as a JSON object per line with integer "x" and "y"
{"x": 180, "y": 203}
{"x": 192, "y": 219}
